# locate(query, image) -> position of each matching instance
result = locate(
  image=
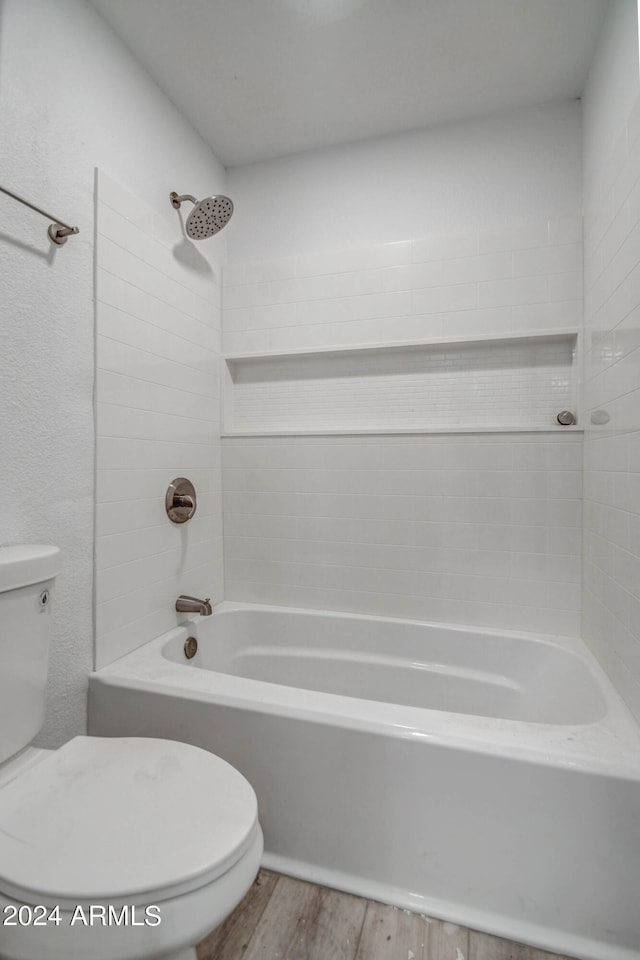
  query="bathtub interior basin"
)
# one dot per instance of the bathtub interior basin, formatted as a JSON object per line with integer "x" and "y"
{"x": 432, "y": 666}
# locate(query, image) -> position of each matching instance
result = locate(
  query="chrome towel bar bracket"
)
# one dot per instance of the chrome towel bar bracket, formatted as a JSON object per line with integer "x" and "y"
{"x": 58, "y": 231}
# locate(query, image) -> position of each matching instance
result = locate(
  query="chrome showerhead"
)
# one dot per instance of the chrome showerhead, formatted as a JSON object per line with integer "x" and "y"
{"x": 208, "y": 216}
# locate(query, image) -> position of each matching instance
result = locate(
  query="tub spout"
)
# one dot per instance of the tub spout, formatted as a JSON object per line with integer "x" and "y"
{"x": 194, "y": 605}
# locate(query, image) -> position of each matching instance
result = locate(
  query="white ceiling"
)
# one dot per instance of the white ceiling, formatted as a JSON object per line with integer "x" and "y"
{"x": 264, "y": 78}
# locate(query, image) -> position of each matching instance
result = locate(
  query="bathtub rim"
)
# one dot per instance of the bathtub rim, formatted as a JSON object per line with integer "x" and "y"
{"x": 609, "y": 746}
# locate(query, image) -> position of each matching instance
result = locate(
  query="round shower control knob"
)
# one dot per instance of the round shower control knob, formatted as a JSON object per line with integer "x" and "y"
{"x": 566, "y": 419}
{"x": 180, "y": 501}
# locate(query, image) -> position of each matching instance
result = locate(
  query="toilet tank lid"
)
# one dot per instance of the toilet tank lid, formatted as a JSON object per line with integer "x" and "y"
{"x": 23, "y": 564}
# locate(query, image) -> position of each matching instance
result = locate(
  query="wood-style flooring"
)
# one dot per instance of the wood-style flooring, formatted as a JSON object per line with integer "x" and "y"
{"x": 285, "y": 919}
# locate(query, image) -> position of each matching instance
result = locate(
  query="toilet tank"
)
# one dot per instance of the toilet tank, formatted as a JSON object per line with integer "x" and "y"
{"x": 27, "y": 574}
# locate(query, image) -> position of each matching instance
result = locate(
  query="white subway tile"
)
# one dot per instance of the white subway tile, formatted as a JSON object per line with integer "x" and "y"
{"x": 141, "y": 334}
{"x": 262, "y": 271}
{"x": 133, "y": 362}
{"x": 520, "y": 290}
{"x": 250, "y": 341}
{"x": 560, "y": 315}
{"x": 565, "y": 230}
{"x": 544, "y": 260}
{"x": 234, "y": 274}
{"x": 513, "y": 236}
{"x": 565, "y": 286}
{"x": 366, "y": 258}
{"x": 445, "y": 247}
{"x": 463, "y": 296}
{"x": 112, "y": 644}
{"x": 120, "y": 516}
{"x": 479, "y": 323}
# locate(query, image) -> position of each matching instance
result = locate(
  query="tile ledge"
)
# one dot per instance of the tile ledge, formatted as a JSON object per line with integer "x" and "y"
{"x": 381, "y": 432}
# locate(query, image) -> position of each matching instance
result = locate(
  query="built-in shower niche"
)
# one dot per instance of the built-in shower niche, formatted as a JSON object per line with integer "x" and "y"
{"x": 493, "y": 383}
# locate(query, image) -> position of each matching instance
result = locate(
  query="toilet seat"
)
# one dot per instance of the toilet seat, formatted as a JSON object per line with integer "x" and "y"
{"x": 113, "y": 820}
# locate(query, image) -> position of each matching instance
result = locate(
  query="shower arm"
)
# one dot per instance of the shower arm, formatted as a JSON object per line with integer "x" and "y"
{"x": 176, "y": 200}
{"x": 58, "y": 230}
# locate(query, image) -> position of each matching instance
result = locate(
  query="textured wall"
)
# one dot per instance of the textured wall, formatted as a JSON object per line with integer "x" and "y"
{"x": 95, "y": 107}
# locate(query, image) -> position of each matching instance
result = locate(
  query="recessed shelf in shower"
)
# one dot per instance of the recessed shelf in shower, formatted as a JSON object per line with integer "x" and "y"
{"x": 492, "y": 383}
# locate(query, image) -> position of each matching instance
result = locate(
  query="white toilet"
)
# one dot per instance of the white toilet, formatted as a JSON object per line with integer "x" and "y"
{"x": 110, "y": 849}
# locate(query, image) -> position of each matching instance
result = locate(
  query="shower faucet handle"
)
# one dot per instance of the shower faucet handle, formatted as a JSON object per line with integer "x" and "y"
{"x": 180, "y": 500}
{"x": 185, "y": 501}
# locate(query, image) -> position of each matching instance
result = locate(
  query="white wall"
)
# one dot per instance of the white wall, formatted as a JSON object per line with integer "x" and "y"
{"x": 157, "y": 418}
{"x": 514, "y": 278}
{"x": 611, "y": 598}
{"x": 611, "y": 90}
{"x": 468, "y": 230}
{"x": 476, "y": 529}
{"x": 518, "y": 165}
{"x": 71, "y": 98}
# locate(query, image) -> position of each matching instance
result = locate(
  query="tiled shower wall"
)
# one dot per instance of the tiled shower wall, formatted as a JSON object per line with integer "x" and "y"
{"x": 507, "y": 279}
{"x": 481, "y": 529}
{"x": 477, "y": 528}
{"x": 611, "y": 604}
{"x": 158, "y": 418}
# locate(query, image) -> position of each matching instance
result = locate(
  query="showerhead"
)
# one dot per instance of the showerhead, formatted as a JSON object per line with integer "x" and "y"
{"x": 208, "y": 216}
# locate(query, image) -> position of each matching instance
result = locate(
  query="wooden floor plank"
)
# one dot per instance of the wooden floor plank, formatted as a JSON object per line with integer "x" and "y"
{"x": 447, "y": 941}
{"x": 482, "y": 946}
{"x": 286, "y": 919}
{"x": 389, "y": 933}
{"x": 305, "y": 922}
{"x": 229, "y": 941}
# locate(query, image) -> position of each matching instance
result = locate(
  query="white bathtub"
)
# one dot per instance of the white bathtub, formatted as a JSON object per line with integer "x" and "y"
{"x": 488, "y": 779}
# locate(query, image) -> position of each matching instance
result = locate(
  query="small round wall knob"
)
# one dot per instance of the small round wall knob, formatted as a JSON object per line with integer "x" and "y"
{"x": 566, "y": 418}
{"x": 180, "y": 501}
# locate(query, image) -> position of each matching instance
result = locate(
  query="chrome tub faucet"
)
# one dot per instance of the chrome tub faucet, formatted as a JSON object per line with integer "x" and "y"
{"x": 194, "y": 605}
